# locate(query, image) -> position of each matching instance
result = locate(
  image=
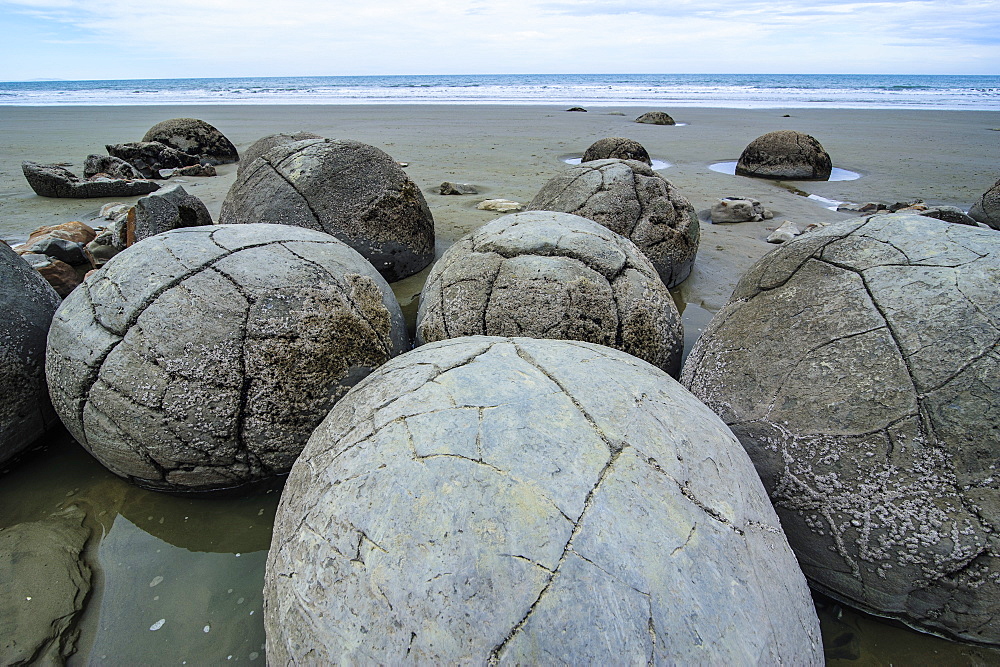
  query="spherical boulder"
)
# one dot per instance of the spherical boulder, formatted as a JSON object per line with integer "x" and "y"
{"x": 630, "y": 199}
{"x": 264, "y": 144}
{"x": 785, "y": 154}
{"x": 195, "y": 137}
{"x": 552, "y": 275}
{"x": 27, "y": 302}
{"x": 345, "y": 188}
{"x": 620, "y": 148}
{"x": 859, "y": 365}
{"x": 201, "y": 359}
{"x": 656, "y": 118}
{"x": 987, "y": 208}
{"x": 522, "y": 501}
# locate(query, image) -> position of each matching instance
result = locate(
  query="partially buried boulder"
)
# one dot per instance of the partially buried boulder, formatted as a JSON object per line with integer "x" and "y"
{"x": 630, "y": 199}
{"x": 987, "y": 208}
{"x": 27, "y": 302}
{"x": 171, "y": 208}
{"x": 149, "y": 157}
{"x": 49, "y": 180}
{"x": 349, "y": 189}
{"x": 785, "y": 154}
{"x": 620, "y": 148}
{"x": 194, "y": 137}
{"x": 202, "y": 358}
{"x": 264, "y": 144}
{"x": 656, "y": 118}
{"x": 859, "y": 365}
{"x": 552, "y": 275}
{"x": 522, "y": 501}
{"x": 109, "y": 166}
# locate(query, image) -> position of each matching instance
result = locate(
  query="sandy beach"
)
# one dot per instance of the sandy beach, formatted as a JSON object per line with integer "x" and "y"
{"x": 942, "y": 157}
{"x": 204, "y": 558}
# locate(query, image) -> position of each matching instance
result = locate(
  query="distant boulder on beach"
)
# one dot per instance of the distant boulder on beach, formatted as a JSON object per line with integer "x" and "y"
{"x": 656, "y": 118}
{"x": 194, "y": 137}
{"x": 50, "y": 180}
{"x": 785, "y": 154}
{"x": 149, "y": 157}
{"x": 620, "y": 148}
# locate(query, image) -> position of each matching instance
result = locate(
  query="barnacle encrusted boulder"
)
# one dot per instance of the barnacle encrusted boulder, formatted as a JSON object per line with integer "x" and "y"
{"x": 27, "y": 303}
{"x": 630, "y": 199}
{"x": 202, "y": 358}
{"x": 620, "y": 148}
{"x": 522, "y": 501}
{"x": 194, "y": 137}
{"x": 345, "y": 188}
{"x": 859, "y": 365}
{"x": 552, "y": 275}
{"x": 264, "y": 144}
{"x": 987, "y": 208}
{"x": 785, "y": 154}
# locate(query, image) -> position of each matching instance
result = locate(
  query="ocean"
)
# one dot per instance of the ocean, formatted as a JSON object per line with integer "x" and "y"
{"x": 740, "y": 91}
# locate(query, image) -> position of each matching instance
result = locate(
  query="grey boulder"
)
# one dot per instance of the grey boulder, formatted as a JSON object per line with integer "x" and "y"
{"x": 194, "y": 137}
{"x": 520, "y": 501}
{"x": 264, "y": 144}
{"x": 50, "y": 180}
{"x": 109, "y": 166}
{"x": 859, "y": 365}
{"x": 987, "y": 208}
{"x": 552, "y": 275}
{"x": 202, "y": 358}
{"x": 785, "y": 154}
{"x": 630, "y": 199}
{"x": 149, "y": 157}
{"x": 349, "y": 189}
{"x": 170, "y": 208}
{"x": 656, "y": 118}
{"x": 620, "y": 148}
{"x": 27, "y": 302}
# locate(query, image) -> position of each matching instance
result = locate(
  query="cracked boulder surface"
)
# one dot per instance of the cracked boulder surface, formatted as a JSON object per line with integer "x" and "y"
{"x": 620, "y": 148}
{"x": 987, "y": 208}
{"x": 27, "y": 302}
{"x": 859, "y": 366}
{"x": 785, "y": 154}
{"x": 349, "y": 189}
{"x": 194, "y": 137}
{"x": 266, "y": 143}
{"x": 202, "y": 358}
{"x": 544, "y": 274}
{"x": 526, "y": 501}
{"x": 630, "y": 199}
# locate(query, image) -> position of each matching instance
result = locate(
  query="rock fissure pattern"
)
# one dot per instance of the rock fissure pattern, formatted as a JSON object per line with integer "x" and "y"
{"x": 874, "y": 423}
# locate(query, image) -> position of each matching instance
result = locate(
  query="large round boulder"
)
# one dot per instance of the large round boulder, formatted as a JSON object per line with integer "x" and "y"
{"x": 522, "y": 501}
{"x": 544, "y": 274}
{"x": 27, "y": 302}
{"x": 194, "y": 137}
{"x": 656, "y": 118}
{"x": 785, "y": 154}
{"x": 630, "y": 199}
{"x": 859, "y": 365}
{"x": 351, "y": 190}
{"x": 619, "y": 148}
{"x": 987, "y": 208}
{"x": 264, "y": 144}
{"x": 201, "y": 359}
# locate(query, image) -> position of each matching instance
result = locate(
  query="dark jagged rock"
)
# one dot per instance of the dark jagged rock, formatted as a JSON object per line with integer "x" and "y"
{"x": 619, "y": 148}
{"x": 149, "y": 157}
{"x": 859, "y": 365}
{"x": 785, "y": 154}
{"x": 170, "y": 208}
{"x": 71, "y": 252}
{"x": 48, "y": 180}
{"x": 987, "y": 208}
{"x": 449, "y": 188}
{"x": 349, "y": 189}
{"x": 656, "y": 118}
{"x": 194, "y": 137}
{"x": 110, "y": 166}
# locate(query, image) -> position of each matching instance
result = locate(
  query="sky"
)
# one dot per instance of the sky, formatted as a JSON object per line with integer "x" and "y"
{"x": 135, "y": 39}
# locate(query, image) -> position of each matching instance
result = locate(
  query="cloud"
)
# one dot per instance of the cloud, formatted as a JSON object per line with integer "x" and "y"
{"x": 118, "y": 38}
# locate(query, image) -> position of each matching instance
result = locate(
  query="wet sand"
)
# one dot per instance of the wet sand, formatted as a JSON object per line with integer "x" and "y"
{"x": 197, "y": 565}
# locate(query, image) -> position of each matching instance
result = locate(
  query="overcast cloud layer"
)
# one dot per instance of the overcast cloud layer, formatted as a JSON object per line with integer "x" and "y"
{"x": 115, "y": 39}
